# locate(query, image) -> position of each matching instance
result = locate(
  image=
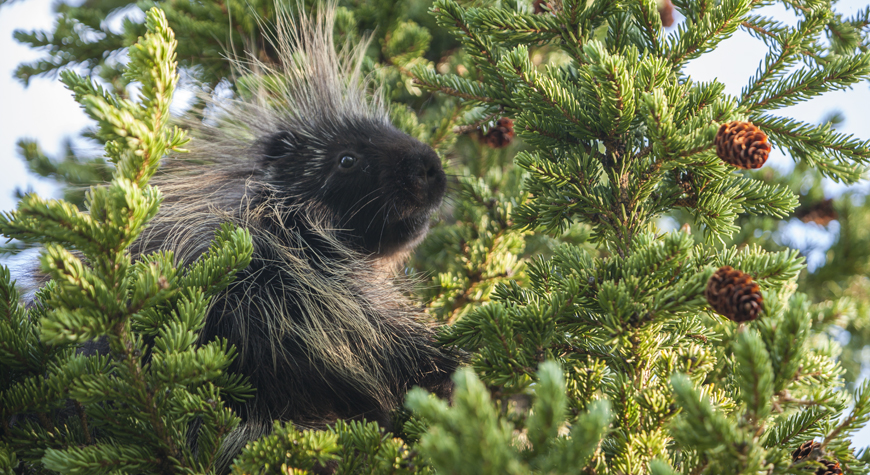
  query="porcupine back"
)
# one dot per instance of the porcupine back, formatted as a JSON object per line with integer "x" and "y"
{"x": 335, "y": 198}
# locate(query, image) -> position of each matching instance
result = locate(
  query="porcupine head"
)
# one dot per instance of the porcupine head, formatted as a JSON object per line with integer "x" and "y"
{"x": 335, "y": 198}
{"x": 333, "y": 151}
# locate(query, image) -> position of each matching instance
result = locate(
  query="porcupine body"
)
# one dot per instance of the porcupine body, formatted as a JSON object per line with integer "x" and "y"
{"x": 335, "y": 197}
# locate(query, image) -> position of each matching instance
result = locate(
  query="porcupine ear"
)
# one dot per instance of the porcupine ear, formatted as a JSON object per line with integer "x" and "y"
{"x": 278, "y": 145}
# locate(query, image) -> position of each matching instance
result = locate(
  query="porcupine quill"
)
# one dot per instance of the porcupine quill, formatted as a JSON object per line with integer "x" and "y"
{"x": 335, "y": 198}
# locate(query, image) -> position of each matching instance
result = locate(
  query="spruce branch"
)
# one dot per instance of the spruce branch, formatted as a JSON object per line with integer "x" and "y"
{"x": 838, "y": 74}
{"x": 697, "y": 37}
{"x": 754, "y": 375}
{"x": 860, "y": 20}
{"x": 543, "y": 90}
{"x": 449, "y": 14}
{"x": 156, "y": 388}
{"x": 649, "y": 21}
{"x": 67, "y": 31}
{"x": 450, "y": 84}
{"x": 513, "y": 28}
{"x": 838, "y": 156}
{"x": 799, "y": 425}
{"x": 858, "y": 416}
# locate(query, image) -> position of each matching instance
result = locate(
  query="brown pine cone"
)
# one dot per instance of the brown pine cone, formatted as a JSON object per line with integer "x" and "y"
{"x": 830, "y": 468}
{"x": 821, "y": 213}
{"x": 804, "y": 450}
{"x": 813, "y": 450}
{"x": 666, "y": 12}
{"x": 742, "y": 144}
{"x": 734, "y": 295}
{"x": 501, "y": 135}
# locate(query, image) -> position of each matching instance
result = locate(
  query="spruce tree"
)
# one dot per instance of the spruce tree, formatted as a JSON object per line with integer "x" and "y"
{"x": 153, "y": 402}
{"x": 594, "y": 343}
{"x": 618, "y": 136}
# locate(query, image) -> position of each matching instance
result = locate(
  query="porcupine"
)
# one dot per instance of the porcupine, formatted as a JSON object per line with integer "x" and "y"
{"x": 335, "y": 198}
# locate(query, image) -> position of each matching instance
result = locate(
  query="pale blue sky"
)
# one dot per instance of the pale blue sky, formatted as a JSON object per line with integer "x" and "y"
{"x": 46, "y": 112}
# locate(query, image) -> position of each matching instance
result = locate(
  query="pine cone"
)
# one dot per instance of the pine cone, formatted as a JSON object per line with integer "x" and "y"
{"x": 501, "y": 135}
{"x": 666, "y": 12}
{"x": 821, "y": 213}
{"x": 742, "y": 144}
{"x": 804, "y": 450}
{"x": 830, "y": 468}
{"x": 812, "y": 450}
{"x": 733, "y": 294}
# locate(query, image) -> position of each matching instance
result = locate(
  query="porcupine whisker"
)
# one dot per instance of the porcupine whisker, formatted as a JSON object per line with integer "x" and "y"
{"x": 450, "y": 200}
{"x": 453, "y": 186}
{"x": 383, "y": 227}
{"x": 375, "y": 216}
{"x": 361, "y": 207}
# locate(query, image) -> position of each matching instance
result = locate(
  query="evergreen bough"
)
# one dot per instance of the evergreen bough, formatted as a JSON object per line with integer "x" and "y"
{"x": 618, "y": 136}
{"x": 153, "y": 402}
{"x": 592, "y": 347}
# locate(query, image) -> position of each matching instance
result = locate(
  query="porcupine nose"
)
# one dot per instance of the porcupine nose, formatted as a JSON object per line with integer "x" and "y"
{"x": 427, "y": 174}
{"x": 428, "y": 168}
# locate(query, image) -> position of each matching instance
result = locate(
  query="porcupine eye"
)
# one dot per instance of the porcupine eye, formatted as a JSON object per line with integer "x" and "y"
{"x": 347, "y": 162}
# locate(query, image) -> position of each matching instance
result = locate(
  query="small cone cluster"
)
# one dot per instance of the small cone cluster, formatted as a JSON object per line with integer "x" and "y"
{"x": 734, "y": 295}
{"x": 501, "y": 135}
{"x": 742, "y": 144}
{"x": 830, "y": 468}
{"x": 805, "y": 450}
{"x": 545, "y": 6}
{"x": 821, "y": 213}
{"x": 812, "y": 450}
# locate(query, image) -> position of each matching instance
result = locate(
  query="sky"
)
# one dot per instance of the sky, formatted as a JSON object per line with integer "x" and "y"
{"x": 46, "y": 112}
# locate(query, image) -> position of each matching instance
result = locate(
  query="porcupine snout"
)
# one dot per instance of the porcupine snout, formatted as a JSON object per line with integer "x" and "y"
{"x": 412, "y": 184}
{"x": 429, "y": 169}
{"x": 426, "y": 172}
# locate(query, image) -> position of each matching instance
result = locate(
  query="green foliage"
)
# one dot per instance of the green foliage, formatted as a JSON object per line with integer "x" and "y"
{"x": 477, "y": 249}
{"x": 591, "y": 345}
{"x": 618, "y": 137}
{"x": 71, "y": 170}
{"x": 471, "y": 438}
{"x": 297, "y": 452}
{"x": 138, "y": 407}
{"x": 347, "y": 447}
